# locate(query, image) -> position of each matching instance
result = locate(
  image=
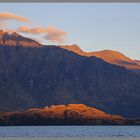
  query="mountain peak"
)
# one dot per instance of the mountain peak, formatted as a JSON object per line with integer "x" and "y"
{"x": 15, "y": 34}
{"x": 112, "y": 56}
{"x": 112, "y": 52}
{"x": 15, "y": 39}
{"x": 74, "y": 48}
{"x": 3, "y": 33}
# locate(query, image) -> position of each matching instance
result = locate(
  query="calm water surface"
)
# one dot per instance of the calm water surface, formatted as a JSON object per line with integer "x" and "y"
{"x": 70, "y": 131}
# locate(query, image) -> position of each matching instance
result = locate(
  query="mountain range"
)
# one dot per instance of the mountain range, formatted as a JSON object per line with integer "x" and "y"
{"x": 34, "y": 75}
{"x": 109, "y": 56}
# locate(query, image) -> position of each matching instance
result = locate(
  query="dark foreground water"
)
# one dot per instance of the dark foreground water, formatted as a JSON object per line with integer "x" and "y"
{"x": 70, "y": 131}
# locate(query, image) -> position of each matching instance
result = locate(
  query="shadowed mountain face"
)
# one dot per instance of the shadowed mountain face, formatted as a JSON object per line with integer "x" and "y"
{"x": 39, "y": 76}
{"x": 109, "y": 56}
{"x": 72, "y": 114}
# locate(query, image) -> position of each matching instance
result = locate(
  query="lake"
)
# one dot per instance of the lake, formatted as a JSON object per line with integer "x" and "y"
{"x": 70, "y": 131}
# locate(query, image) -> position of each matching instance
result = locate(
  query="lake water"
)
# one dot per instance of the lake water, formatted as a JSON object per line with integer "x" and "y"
{"x": 70, "y": 131}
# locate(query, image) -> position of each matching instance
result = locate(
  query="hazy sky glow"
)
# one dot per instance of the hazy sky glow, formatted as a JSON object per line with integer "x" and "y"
{"x": 91, "y": 26}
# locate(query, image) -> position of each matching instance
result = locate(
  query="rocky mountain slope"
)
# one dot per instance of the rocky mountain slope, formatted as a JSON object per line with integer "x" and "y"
{"x": 109, "y": 56}
{"x": 34, "y": 76}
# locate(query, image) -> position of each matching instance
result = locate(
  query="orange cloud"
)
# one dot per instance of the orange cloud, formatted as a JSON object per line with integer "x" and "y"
{"x": 11, "y": 16}
{"x": 55, "y": 35}
{"x": 10, "y": 30}
{"x": 35, "y": 30}
{"x": 24, "y": 29}
{"x": 51, "y": 33}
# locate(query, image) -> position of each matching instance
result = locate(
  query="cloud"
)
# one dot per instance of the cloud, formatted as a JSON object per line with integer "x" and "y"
{"x": 55, "y": 35}
{"x": 50, "y": 33}
{"x": 24, "y": 29}
{"x": 10, "y": 30}
{"x": 35, "y": 30}
{"x": 11, "y": 16}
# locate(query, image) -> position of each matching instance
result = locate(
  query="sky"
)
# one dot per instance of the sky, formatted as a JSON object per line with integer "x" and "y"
{"x": 92, "y": 26}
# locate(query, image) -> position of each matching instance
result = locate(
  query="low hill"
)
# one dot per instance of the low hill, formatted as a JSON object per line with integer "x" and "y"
{"x": 72, "y": 114}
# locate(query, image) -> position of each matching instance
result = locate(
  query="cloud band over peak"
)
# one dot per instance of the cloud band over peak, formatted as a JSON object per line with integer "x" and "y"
{"x": 50, "y": 33}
